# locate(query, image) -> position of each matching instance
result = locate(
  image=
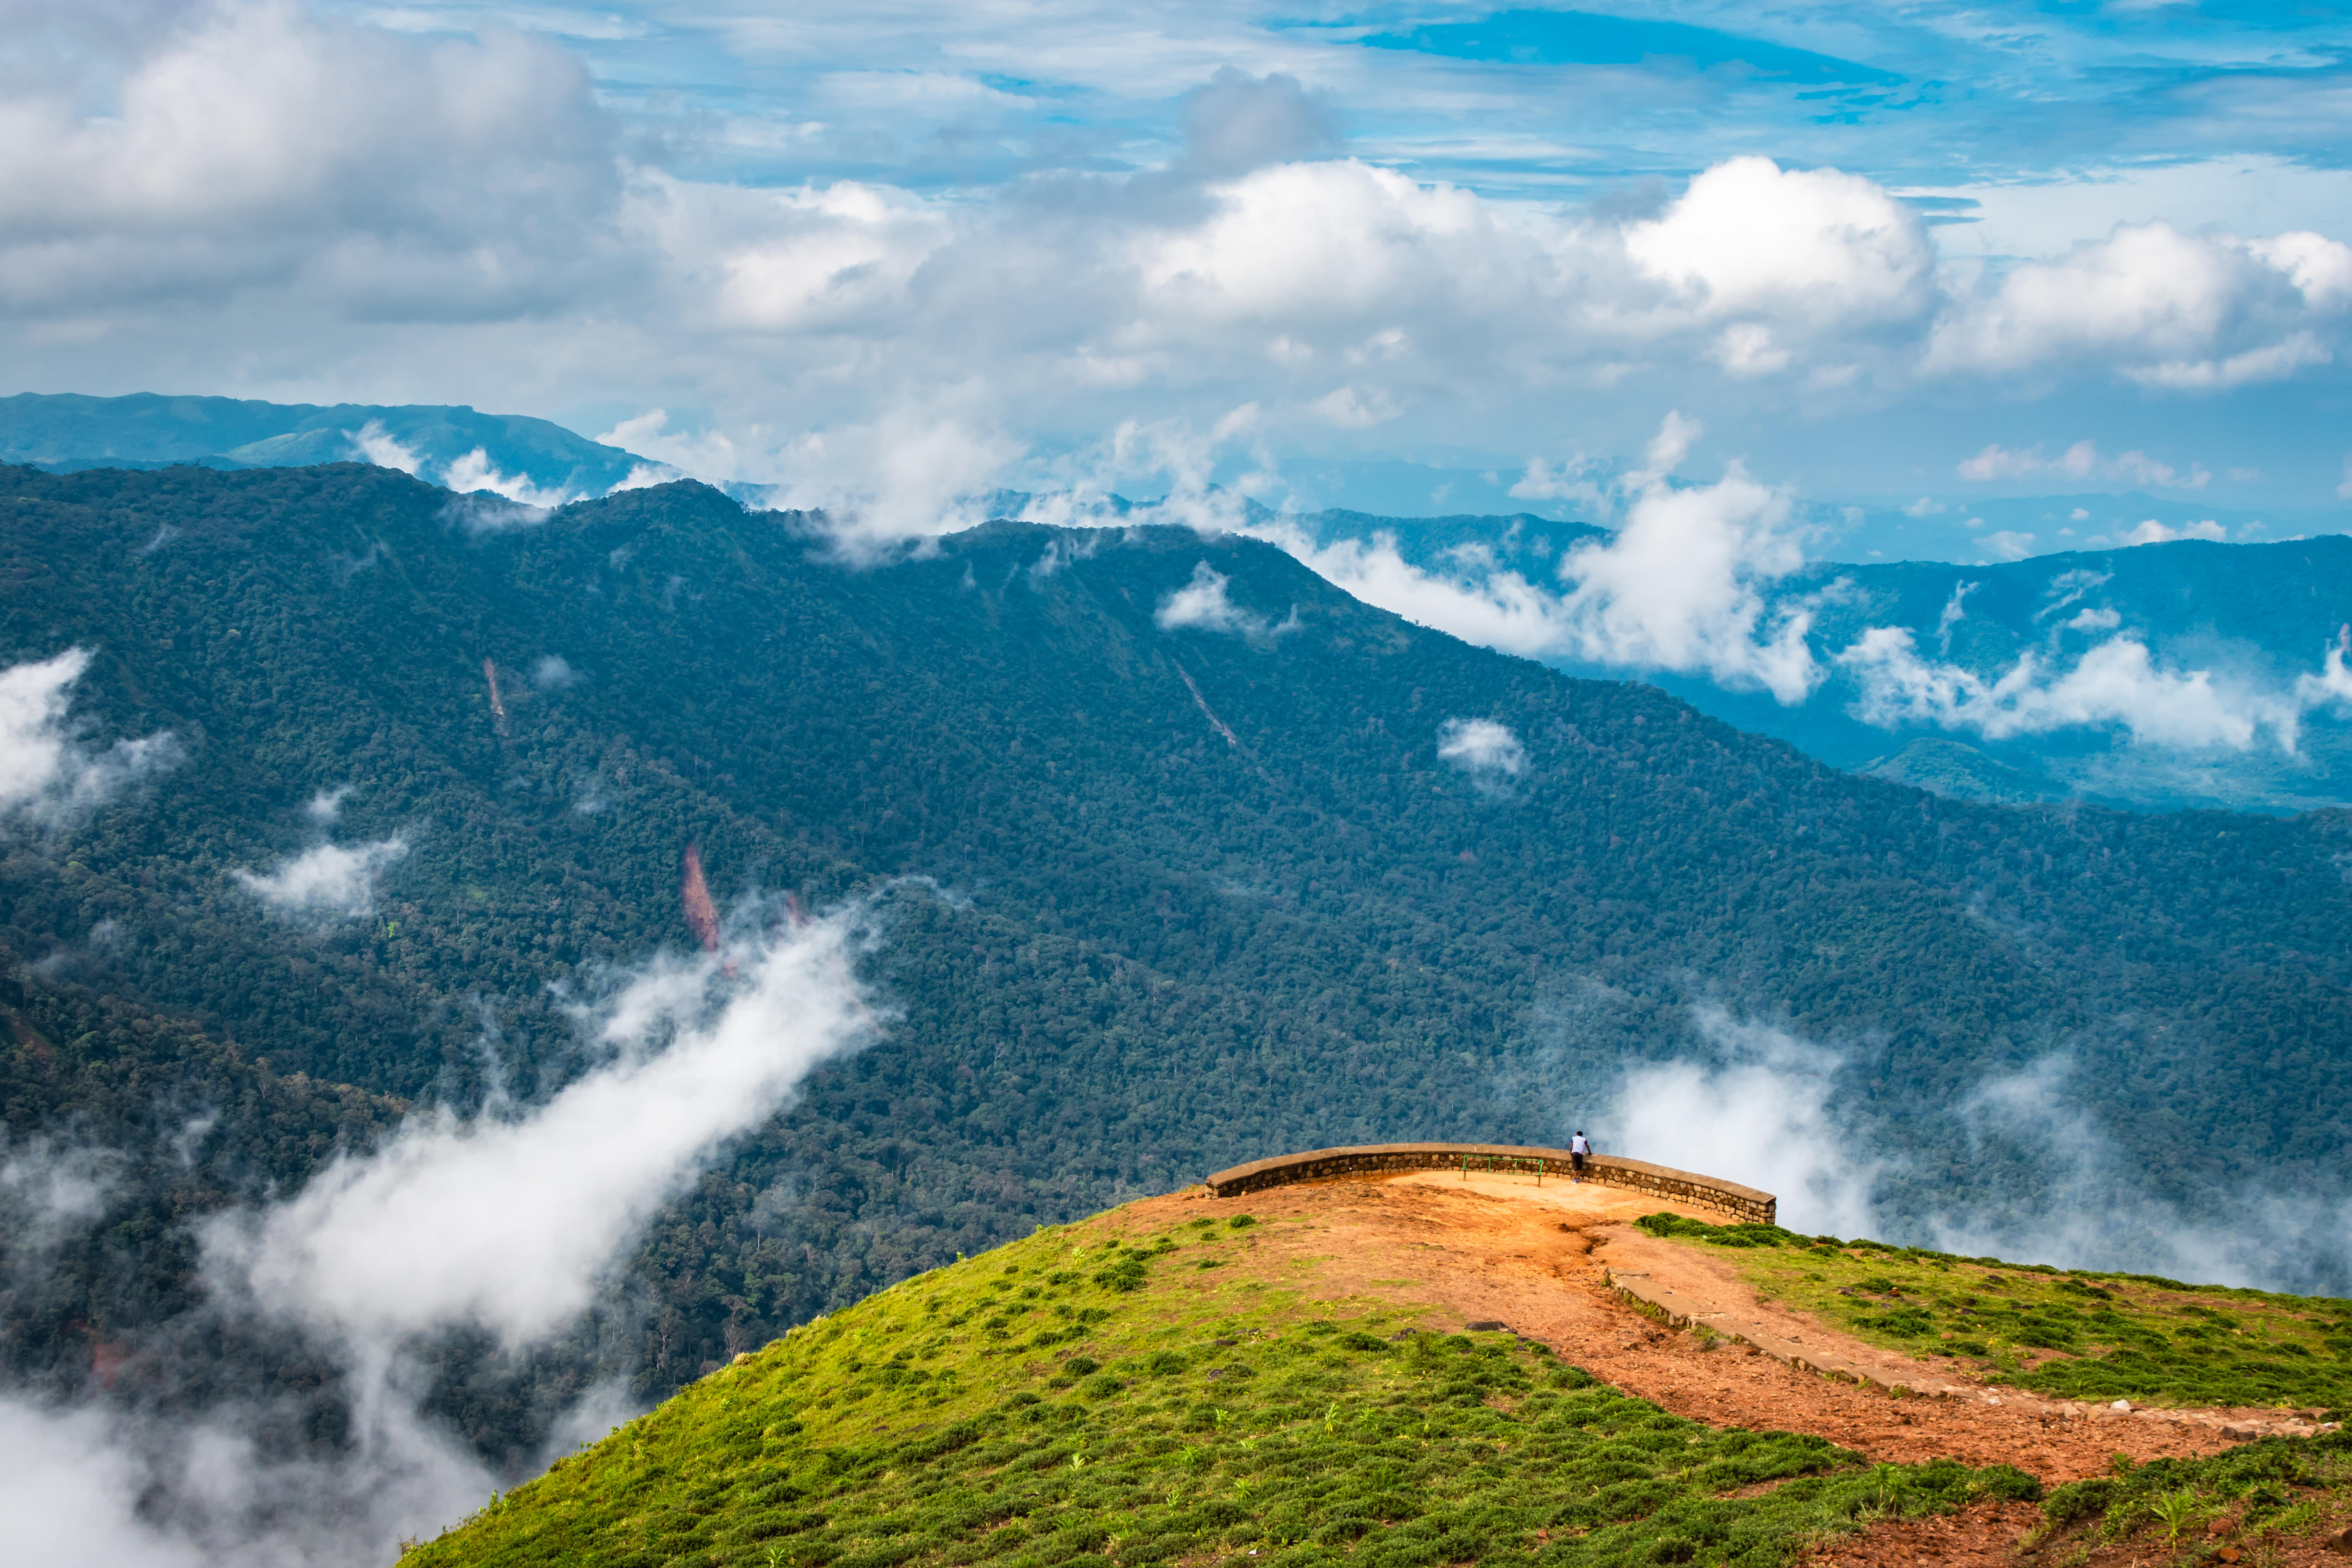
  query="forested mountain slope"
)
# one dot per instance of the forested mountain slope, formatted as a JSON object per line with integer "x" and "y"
{"x": 1196, "y": 883}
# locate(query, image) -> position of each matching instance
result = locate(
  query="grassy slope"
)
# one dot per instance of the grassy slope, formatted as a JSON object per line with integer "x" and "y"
{"x": 2074, "y": 1335}
{"x": 1104, "y": 1393}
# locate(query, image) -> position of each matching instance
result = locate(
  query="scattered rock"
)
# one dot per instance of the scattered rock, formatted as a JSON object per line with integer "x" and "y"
{"x": 2122, "y": 1404}
{"x": 2339, "y": 1541}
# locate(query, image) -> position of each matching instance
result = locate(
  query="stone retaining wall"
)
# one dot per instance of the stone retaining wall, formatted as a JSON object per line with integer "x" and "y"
{"x": 1370, "y": 1159}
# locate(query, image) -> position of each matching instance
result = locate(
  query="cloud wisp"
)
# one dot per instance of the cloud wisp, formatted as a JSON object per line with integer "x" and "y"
{"x": 1204, "y": 604}
{"x": 1487, "y": 749}
{"x": 1759, "y": 1105}
{"x": 470, "y": 474}
{"x": 326, "y": 882}
{"x": 510, "y": 1227}
{"x": 1759, "y": 1112}
{"x": 48, "y": 773}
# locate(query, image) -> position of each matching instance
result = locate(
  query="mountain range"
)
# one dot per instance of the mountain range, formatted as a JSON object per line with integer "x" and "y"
{"x": 1176, "y": 855}
{"x": 2248, "y": 620}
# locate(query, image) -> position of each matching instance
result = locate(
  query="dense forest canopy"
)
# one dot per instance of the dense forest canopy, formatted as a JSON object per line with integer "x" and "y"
{"x": 1181, "y": 855}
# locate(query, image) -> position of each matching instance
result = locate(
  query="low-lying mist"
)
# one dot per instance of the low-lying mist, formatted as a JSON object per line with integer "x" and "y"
{"x": 1761, "y": 1106}
{"x": 506, "y": 1228}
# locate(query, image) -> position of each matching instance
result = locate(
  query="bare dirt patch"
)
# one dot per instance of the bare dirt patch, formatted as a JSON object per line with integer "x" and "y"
{"x": 1984, "y": 1535}
{"x": 1500, "y": 1250}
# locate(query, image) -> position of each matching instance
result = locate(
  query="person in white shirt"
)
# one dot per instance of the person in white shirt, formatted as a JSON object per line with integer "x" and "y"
{"x": 1577, "y": 1150}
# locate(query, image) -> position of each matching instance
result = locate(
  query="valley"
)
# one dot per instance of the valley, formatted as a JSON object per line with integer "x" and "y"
{"x": 1395, "y": 1368}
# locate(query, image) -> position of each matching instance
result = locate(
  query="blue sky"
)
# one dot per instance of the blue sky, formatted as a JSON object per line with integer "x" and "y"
{"x": 887, "y": 254}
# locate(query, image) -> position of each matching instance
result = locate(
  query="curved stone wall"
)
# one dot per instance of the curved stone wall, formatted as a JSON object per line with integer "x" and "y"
{"x": 1372, "y": 1158}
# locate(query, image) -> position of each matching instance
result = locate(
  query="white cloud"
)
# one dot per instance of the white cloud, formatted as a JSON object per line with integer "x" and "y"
{"x": 1486, "y": 749}
{"x": 2079, "y": 461}
{"x": 326, "y": 880}
{"x": 1571, "y": 481}
{"x": 1351, "y": 409}
{"x": 1816, "y": 246}
{"x": 552, "y": 672}
{"x": 257, "y": 146}
{"x": 47, "y": 772}
{"x": 2164, "y": 308}
{"x": 513, "y": 1225}
{"x": 376, "y": 445}
{"x": 1760, "y": 1114}
{"x": 47, "y": 1193}
{"x": 71, "y": 1490}
{"x": 711, "y": 455}
{"x": 1762, "y": 1108}
{"x": 1203, "y": 604}
{"x": 1679, "y": 585}
{"x": 2117, "y": 682}
{"x": 2272, "y": 362}
{"x": 475, "y": 472}
{"x": 2006, "y": 545}
{"x": 2154, "y": 532}
{"x": 326, "y": 805}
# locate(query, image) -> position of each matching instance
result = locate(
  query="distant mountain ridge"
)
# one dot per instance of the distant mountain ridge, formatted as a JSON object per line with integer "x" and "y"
{"x": 451, "y": 444}
{"x": 2256, "y": 617}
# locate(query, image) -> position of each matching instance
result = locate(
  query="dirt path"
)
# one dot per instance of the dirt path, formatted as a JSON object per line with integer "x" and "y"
{"x": 1501, "y": 1249}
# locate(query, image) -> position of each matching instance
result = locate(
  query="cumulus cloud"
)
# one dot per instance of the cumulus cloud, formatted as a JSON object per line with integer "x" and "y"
{"x": 2170, "y": 310}
{"x": 344, "y": 201}
{"x": 258, "y": 144}
{"x": 375, "y": 444}
{"x": 1238, "y": 122}
{"x": 1679, "y": 585}
{"x": 47, "y": 772}
{"x": 2117, "y": 682}
{"x": 1786, "y": 250}
{"x": 328, "y": 880}
{"x": 469, "y": 474}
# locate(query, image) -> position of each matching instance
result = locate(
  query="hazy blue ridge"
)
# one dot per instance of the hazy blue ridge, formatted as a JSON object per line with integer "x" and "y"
{"x": 65, "y": 432}
{"x": 2259, "y": 613}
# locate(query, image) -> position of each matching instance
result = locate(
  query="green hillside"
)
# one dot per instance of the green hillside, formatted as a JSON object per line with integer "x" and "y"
{"x": 1155, "y": 900}
{"x": 2064, "y": 1333}
{"x": 1081, "y": 1397}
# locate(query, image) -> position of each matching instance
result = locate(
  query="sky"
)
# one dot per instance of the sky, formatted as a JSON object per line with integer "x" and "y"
{"x": 1408, "y": 258}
